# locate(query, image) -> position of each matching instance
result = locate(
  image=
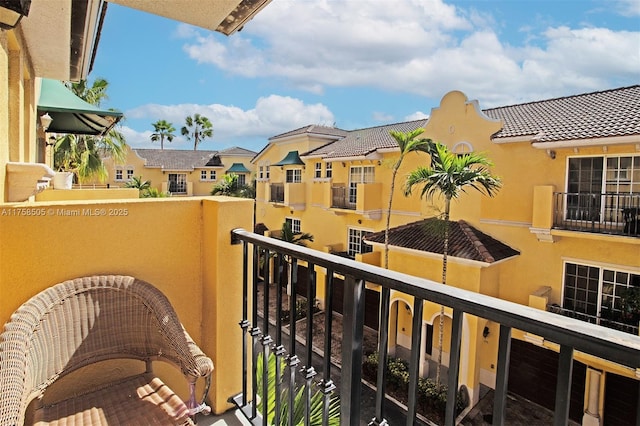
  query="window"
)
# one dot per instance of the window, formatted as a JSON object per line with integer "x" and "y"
{"x": 294, "y": 175}
{"x": 596, "y": 291}
{"x": 242, "y": 180}
{"x": 118, "y": 174}
{"x": 203, "y": 175}
{"x": 355, "y": 244}
{"x": 212, "y": 175}
{"x": 267, "y": 171}
{"x": 260, "y": 172}
{"x": 318, "y": 170}
{"x": 294, "y": 224}
{"x": 328, "y": 170}
{"x": 359, "y": 174}
{"x": 177, "y": 183}
{"x": 129, "y": 174}
{"x": 596, "y": 186}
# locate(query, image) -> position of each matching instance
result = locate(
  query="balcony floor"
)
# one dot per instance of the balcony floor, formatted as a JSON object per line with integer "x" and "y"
{"x": 232, "y": 417}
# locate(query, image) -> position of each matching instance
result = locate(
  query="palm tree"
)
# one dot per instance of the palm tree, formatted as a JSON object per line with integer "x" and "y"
{"x": 163, "y": 130}
{"x": 229, "y": 186}
{"x": 448, "y": 176}
{"x": 82, "y": 154}
{"x": 139, "y": 184}
{"x": 407, "y": 143}
{"x": 197, "y": 128}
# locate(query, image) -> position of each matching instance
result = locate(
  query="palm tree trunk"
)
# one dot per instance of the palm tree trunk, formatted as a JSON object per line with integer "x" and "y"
{"x": 386, "y": 229}
{"x": 445, "y": 252}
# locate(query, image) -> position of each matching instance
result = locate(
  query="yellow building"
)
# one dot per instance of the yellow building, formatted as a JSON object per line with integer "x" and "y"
{"x": 180, "y": 245}
{"x": 562, "y": 234}
{"x": 181, "y": 172}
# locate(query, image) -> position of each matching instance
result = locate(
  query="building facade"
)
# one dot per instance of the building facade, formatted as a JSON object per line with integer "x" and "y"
{"x": 181, "y": 172}
{"x": 562, "y": 234}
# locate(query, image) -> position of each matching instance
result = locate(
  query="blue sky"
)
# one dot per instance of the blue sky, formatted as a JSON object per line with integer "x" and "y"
{"x": 358, "y": 63}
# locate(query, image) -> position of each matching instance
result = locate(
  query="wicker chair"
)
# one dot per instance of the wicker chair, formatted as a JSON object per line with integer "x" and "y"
{"x": 83, "y": 321}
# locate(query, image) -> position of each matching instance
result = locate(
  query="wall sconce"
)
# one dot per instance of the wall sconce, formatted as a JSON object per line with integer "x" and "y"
{"x": 45, "y": 119}
{"x": 51, "y": 142}
{"x": 551, "y": 153}
{"x": 485, "y": 331}
{"x": 344, "y": 164}
{"x": 12, "y": 11}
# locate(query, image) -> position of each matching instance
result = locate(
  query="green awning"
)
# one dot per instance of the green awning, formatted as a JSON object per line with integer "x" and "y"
{"x": 238, "y": 168}
{"x": 71, "y": 114}
{"x": 292, "y": 159}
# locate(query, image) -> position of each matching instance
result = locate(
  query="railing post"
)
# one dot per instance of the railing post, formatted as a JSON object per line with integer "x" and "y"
{"x": 352, "y": 323}
{"x": 502, "y": 376}
{"x": 563, "y": 386}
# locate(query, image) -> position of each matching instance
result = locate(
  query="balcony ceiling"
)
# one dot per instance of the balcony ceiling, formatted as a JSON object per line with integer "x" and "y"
{"x": 225, "y": 16}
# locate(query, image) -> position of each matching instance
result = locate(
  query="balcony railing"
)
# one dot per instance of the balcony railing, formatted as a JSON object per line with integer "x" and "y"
{"x": 342, "y": 199}
{"x": 605, "y": 322}
{"x": 617, "y": 214}
{"x": 570, "y": 334}
{"x": 276, "y": 193}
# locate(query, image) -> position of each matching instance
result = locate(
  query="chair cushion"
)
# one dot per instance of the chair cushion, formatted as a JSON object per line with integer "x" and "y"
{"x": 138, "y": 400}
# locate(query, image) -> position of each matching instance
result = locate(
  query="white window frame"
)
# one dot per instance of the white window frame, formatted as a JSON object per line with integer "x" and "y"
{"x": 294, "y": 224}
{"x": 203, "y": 176}
{"x": 317, "y": 172}
{"x": 293, "y": 175}
{"x": 212, "y": 175}
{"x": 328, "y": 170}
{"x": 359, "y": 174}
{"x": 267, "y": 171}
{"x": 130, "y": 173}
{"x": 604, "y": 284}
{"x": 615, "y": 181}
{"x": 119, "y": 174}
{"x": 354, "y": 241}
{"x": 260, "y": 172}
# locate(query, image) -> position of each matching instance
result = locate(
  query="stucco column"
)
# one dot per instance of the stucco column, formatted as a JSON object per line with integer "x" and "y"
{"x": 591, "y": 416}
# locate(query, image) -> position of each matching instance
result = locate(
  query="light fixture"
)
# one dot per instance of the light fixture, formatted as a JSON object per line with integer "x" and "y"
{"x": 12, "y": 11}
{"x": 45, "y": 120}
{"x": 52, "y": 141}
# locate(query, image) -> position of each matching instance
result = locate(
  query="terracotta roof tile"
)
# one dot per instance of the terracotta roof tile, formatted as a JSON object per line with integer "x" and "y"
{"x": 603, "y": 114}
{"x": 465, "y": 241}
{"x": 177, "y": 159}
{"x": 364, "y": 141}
{"x": 313, "y": 129}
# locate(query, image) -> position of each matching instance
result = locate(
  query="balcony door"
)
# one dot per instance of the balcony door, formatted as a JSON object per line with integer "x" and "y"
{"x": 178, "y": 183}
{"x": 359, "y": 174}
{"x": 599, "y": 189}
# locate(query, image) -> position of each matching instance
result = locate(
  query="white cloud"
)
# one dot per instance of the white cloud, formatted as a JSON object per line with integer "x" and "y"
{"x": 232, "y": 125}
{"x": 423, "y": 47}
{"x": 418, "y": 115}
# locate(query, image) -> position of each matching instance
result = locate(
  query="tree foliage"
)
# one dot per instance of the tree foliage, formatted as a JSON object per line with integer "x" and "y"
{"x": 83, "y": 154}
{"x": 197, "y": 128}
{"x": 449, "y": 175}
{"x": 162, "y": 130}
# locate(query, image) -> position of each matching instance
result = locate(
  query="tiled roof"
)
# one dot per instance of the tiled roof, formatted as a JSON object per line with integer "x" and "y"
{"x": 174, "y": 159}
{"x": 465, "y": 241}
{"x": 603, "y": 114}
{"x": 313, "y": 129}
{"x": 364, "y": 141}
{"x": 237, "y": 151}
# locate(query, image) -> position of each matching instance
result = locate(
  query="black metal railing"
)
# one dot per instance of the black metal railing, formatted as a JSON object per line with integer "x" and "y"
{"x": 617, "y": 214}
{"x": 570, "y": 334}
{"x": 342, "y": 199}
{"x": 276, "y": 193}
{"x": 605, "y": 322}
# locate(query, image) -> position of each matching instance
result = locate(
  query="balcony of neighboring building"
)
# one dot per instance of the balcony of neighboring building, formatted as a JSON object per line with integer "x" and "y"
{"x": 362, "y": 198}
{"x": 288, "y": 194}
{"x": 606, "y": 214}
